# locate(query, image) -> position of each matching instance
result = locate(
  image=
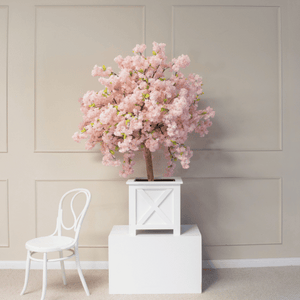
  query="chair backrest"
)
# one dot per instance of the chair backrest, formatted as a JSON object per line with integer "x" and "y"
{"x": 77, "y": 219}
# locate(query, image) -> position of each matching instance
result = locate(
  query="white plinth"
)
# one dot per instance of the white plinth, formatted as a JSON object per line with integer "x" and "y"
{"x": 155, "y": 263}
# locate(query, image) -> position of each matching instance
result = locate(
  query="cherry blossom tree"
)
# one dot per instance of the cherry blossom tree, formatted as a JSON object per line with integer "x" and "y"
{"x": 141, "y": 109}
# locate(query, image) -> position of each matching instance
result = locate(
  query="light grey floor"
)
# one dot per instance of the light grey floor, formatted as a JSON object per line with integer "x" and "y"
{"x": 235, "y": 284}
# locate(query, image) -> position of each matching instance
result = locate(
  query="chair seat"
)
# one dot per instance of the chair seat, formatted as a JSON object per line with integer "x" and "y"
{"x": 50, "y": 243}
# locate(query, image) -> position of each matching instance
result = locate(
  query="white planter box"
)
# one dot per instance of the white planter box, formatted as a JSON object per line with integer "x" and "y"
{"x": 154, "y": 205}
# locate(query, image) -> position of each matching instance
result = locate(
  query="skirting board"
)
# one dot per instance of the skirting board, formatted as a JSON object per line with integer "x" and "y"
{"x": 86, "y": 265}
{"x": 207, "y": 264}
{"x": 251, "y": 263}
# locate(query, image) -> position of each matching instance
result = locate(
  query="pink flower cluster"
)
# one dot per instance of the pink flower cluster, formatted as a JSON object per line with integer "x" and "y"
{"x": 140, "y": 107}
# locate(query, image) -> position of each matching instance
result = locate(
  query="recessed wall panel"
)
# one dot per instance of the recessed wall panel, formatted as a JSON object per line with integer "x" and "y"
{"x": 232, "y": 211}
{"x": 236, "y": 49}
{"x": 3, "y": 214}
{"x": 3, "y": 77}
{"x": 108, "y": 207}
{"x": 70, "y": 41}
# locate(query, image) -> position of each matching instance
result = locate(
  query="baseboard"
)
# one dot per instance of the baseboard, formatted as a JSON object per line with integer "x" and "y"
{"x": 87, "y": 265}
{"x": 206, "y": 264}
{"x": 250, "y": 263}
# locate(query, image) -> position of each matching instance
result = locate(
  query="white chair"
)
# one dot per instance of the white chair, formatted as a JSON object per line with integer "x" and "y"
{"x": 59, "y": 243}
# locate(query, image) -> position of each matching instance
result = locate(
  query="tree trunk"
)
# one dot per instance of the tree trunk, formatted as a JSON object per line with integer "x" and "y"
{"x": 149, "y": 166}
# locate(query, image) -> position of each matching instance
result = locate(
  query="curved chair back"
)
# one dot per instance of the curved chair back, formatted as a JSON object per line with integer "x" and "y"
{"x": 77, "y": 219}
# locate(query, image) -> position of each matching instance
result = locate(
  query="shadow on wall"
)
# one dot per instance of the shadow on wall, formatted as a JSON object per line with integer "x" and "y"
{"x": 199, "y": 205}
{"x": 201, "y": 195}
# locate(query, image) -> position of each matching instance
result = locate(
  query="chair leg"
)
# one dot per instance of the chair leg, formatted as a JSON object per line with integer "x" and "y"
{"x": 80, "y": 272}
{"x": 26, "y": 272}
{"x": 62, "y": 268}
{"x": 44, "y": 276}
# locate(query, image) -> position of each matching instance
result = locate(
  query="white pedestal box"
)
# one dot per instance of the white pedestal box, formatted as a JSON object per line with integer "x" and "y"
{"x": 152, "y": 263}
{"x": 154, "y": 205}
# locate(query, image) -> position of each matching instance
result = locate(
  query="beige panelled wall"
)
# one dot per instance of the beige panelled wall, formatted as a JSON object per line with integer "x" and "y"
{"x": 75, "y": 30}
{"x": 3, "y": 77}
{"x": 242, "y": 187}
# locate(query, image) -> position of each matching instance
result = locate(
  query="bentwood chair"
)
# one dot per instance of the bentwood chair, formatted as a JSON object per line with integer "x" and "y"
{"x": 57, "y": 242}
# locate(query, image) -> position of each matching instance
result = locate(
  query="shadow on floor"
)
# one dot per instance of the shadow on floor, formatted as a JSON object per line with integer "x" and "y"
{"x": 209, "y": 278}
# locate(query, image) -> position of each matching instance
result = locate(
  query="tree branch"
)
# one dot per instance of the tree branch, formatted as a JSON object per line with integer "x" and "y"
{"x": 149, "y": 165}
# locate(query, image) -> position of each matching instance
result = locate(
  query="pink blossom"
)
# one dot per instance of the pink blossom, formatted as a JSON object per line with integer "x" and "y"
{"x": 101, "y": 71}
{"x": 181, "y": 62}
{"x": 142, "y": 107}
{"x": 139, "y": 48}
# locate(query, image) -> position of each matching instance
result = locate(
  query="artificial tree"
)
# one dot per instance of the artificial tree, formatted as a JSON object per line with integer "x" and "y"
{"x": 141, "y": 109}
